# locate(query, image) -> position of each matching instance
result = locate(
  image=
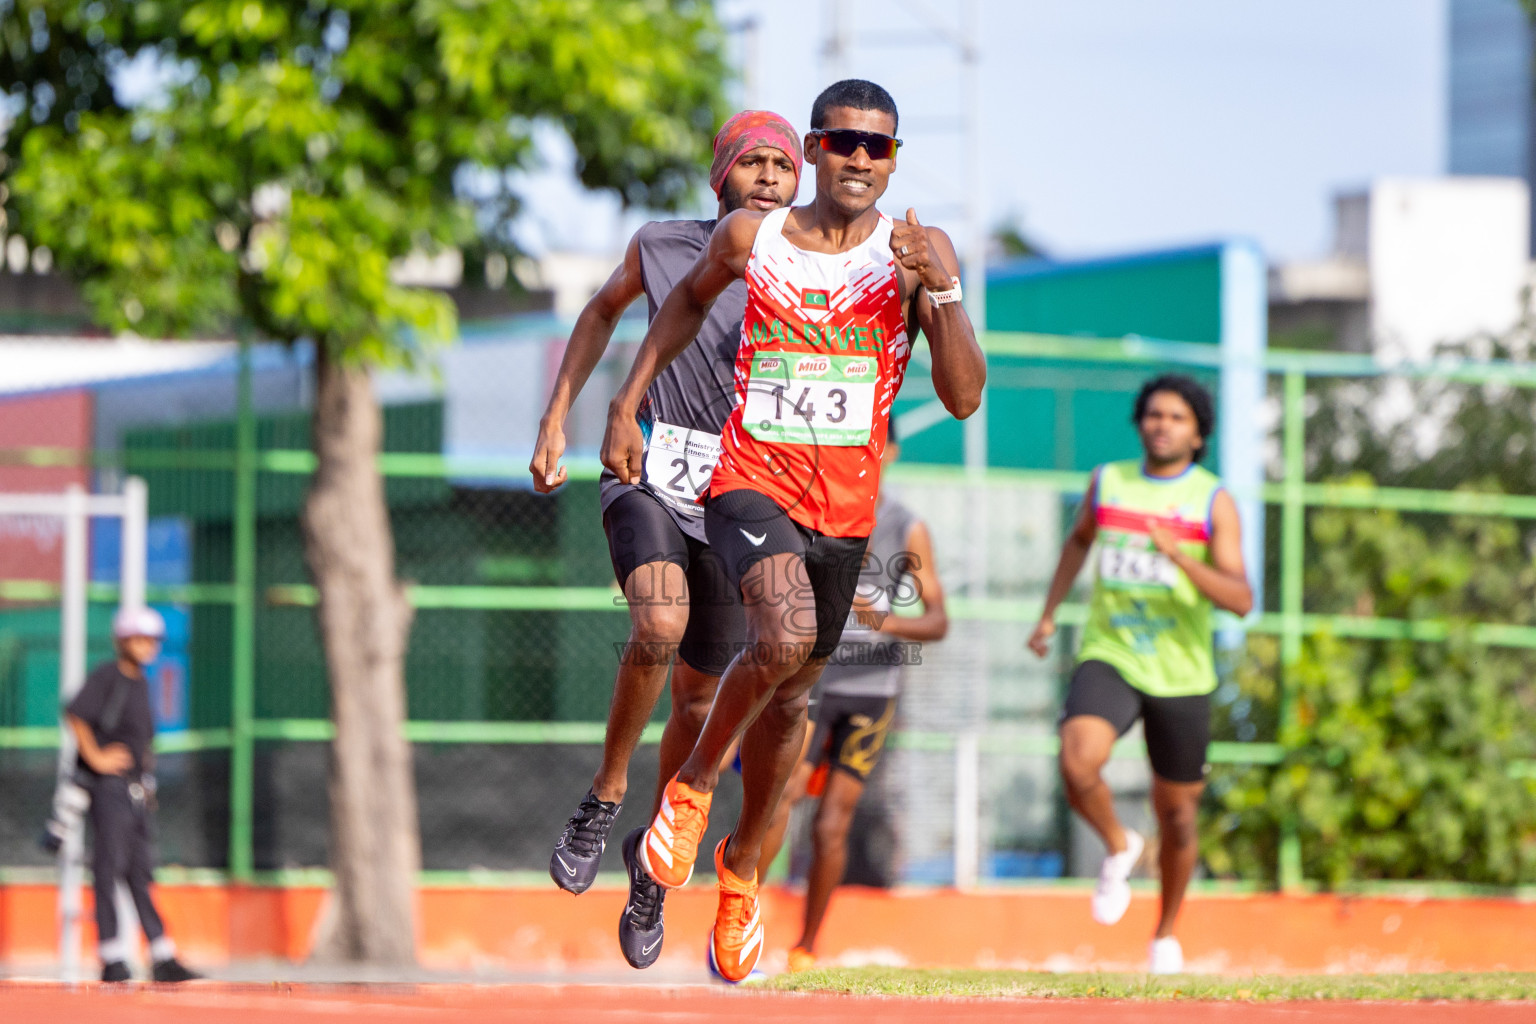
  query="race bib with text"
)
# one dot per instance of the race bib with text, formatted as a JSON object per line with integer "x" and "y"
{"x": 796, "y": 398}
{"x": 679, "y": 461}
{"x": 1134, "y": 566}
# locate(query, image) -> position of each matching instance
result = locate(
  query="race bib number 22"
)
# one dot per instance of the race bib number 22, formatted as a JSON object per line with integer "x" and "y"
{"x": 680, "y": 461}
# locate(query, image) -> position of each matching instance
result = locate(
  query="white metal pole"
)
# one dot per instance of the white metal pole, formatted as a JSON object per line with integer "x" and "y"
{"x": 72, "y": 612}
{"x": 72, "y": 609}
{"x": 135, "y": 546}
{"x": 974, "y": 269}
{"x": 134, "y": 567}
{"x": 976, "y": 199}
{"x": 752, "y": 62}
{"x": 71, "y": 879}
{"x": 838, "y": 42}
{"x": 974, "y": 438}
{"x": 967, "y": 809}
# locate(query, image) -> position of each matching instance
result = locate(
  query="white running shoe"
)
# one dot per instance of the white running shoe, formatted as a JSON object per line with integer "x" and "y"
{"x": 1112, "y": 896}
{"x": 1167, "y": 956}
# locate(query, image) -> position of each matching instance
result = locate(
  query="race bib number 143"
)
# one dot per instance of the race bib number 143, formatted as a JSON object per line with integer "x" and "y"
{"x": 796, "y": 398}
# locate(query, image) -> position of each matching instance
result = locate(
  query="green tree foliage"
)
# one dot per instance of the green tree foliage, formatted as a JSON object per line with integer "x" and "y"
{"x": 1010, "y": 241}
{"x": 1435, "y": 433}
{"x": 283, "y": 157}
{"x": 288, "y": 152}
{"x": 1398, "y": 753}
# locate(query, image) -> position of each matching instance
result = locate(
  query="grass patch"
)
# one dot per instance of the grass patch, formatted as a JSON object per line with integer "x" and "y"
{"x": 896, "y": 981}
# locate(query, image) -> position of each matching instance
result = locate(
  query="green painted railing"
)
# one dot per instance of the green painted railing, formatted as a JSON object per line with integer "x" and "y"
{"x": 315, "y": 730}
{"x": 1292, "y": 495}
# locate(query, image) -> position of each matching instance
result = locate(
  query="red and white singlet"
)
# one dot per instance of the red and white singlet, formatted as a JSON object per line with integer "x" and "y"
{"x": 823, "y": 353}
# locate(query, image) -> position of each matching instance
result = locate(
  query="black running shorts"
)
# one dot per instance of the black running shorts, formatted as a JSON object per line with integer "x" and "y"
{"x": 850, "y": 732}
{"x": 641, "y": 532}
{"x": 745, "y": 527}
{"x": 1178, "y": 729}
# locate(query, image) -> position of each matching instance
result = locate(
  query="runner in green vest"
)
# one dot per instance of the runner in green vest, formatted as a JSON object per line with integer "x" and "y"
{"x": 1169, "y": 549}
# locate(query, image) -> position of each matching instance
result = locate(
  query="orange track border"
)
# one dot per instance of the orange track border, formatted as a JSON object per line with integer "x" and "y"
{"x": 465, "y": 928}
{"x": 205, "y": 1003}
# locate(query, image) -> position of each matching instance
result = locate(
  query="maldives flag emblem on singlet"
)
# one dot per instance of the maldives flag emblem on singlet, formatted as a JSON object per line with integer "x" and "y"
{"x": 823, "y": 352}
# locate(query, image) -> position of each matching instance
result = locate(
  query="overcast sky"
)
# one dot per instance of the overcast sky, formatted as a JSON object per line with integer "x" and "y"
{"x": 1111, "y": 125}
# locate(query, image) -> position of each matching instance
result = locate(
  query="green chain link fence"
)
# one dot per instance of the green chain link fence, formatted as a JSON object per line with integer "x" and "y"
{"x": 513, "y": 647}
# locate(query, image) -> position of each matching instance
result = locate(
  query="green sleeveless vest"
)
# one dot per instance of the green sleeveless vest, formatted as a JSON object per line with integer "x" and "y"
{"x": 1145, "y": 616}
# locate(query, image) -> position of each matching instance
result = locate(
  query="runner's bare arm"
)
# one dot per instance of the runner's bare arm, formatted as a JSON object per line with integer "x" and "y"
{"x": 673, "y": 329}
{"x": 589, "y": 340}
{"x": 1073, "y": 554}
{"x": 933, "y": 624}
{"x": 1224, "y": 579}
{"x": 959, "y": 368}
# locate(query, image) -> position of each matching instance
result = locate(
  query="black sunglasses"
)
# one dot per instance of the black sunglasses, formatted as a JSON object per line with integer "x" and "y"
{"x": 846, "y": 141}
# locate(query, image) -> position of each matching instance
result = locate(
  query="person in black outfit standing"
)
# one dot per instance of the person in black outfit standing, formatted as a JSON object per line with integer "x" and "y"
{"x": 114, "y": 729}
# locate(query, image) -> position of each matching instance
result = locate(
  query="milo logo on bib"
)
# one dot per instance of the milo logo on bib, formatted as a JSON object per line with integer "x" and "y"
{"x": 813, "y": 366}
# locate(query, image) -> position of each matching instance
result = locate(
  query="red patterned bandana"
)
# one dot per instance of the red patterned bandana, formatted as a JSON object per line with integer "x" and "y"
{"x": 746, "y": 131}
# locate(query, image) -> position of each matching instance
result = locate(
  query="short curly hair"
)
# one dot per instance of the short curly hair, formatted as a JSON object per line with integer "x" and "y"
{"x": 855, "y": 94}
{"x": 1195, "y": 396}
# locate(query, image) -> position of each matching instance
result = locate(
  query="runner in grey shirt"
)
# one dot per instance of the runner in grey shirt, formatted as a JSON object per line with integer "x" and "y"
{"x": 868, "y": 661}
{"x": 680, "y": 599}
{"x": 685, "y": 409}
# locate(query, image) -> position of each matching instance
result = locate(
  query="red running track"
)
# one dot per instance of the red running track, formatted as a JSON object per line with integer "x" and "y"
{"x": 216, "y": 1003}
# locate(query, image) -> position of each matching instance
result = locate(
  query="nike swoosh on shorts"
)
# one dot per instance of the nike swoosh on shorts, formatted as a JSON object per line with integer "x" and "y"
{"x": 757, "y": 542}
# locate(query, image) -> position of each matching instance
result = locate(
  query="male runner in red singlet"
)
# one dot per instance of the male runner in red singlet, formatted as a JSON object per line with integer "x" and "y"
{"x": 679, "y": 598}
{"x": 832, "y": 289}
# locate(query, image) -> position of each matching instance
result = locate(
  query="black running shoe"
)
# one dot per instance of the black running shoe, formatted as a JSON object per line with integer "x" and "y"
{"x": 115, "y": 971}
{"x": 579, "y": 849}
{"x": 172, "y": 971}
{"x": 640, "y": 926}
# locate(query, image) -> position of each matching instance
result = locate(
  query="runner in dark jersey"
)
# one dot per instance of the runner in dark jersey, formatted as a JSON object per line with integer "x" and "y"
{"x": 679, "y": 598}
{"x": 834, "y": 291}
{"x": 856, "y": 705}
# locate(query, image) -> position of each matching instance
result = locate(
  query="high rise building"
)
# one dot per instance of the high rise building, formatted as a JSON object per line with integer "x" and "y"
{"x": 1492, "y": 93}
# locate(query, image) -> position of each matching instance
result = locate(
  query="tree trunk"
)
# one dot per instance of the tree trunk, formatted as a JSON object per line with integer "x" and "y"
{"x": 364, "y": 619}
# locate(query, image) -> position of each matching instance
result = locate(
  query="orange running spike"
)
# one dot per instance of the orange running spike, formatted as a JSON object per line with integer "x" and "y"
{"x": 736, "y": 941}
{"x": 671, "y": 844}
{"x": 801, "y": 959}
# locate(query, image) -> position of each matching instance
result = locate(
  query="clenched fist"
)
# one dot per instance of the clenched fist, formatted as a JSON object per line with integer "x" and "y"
{"x": 909, "y": 244}
{"x": 1040, "y": 639}
{"x": 547, "y": 472}
{"x": 623, "y": 446}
